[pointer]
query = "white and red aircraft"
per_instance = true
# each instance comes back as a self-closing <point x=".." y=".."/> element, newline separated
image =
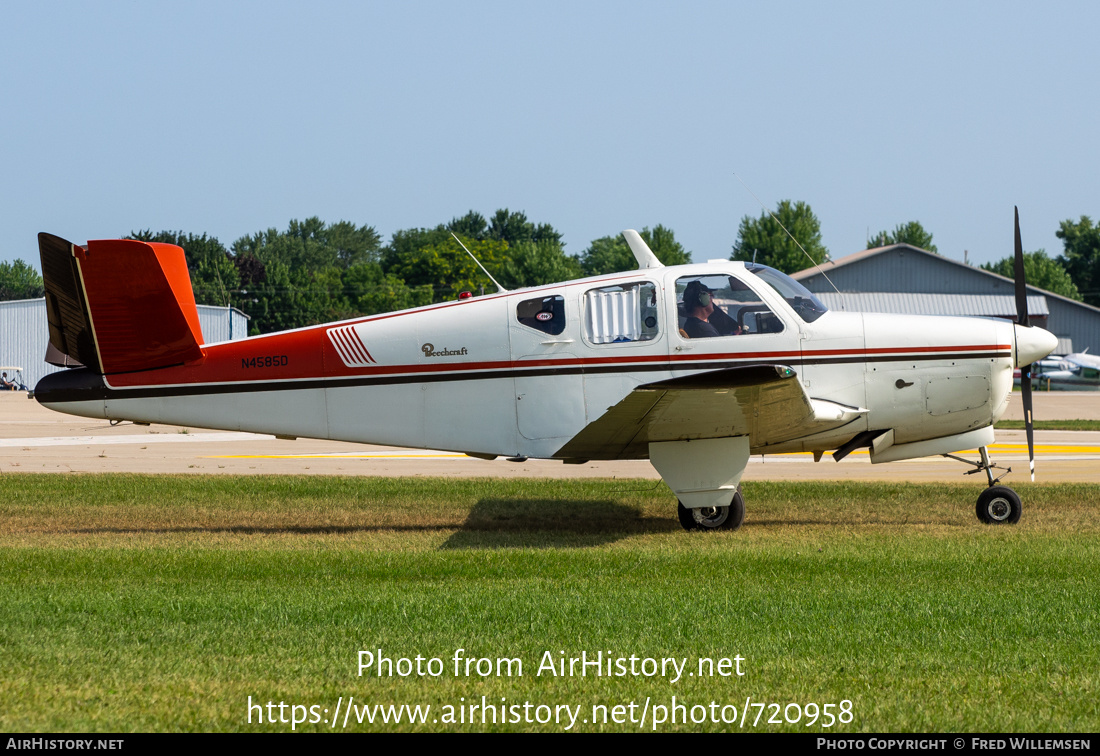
<point x="695" y="367"/>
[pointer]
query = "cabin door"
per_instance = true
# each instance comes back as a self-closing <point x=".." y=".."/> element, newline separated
<point x="549" y="385"/>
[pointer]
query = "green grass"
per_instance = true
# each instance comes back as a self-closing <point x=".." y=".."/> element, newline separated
<point x="1063" y="425"/>
<point x="133" y="603"/>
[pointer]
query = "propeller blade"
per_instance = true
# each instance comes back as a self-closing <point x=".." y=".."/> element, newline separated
<point x="1025" y="392"/>
<point x="1025" y="370"/>
<point x="1021" y="285"/>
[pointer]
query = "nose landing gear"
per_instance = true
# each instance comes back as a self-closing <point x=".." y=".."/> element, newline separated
<point x="997" y="505"/>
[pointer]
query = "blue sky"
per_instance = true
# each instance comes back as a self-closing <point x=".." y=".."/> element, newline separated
<point x="231" y="117"/>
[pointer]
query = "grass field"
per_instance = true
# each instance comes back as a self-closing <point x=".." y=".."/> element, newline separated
<point x="134" y="603"/>
<point x="1059" y="425"/>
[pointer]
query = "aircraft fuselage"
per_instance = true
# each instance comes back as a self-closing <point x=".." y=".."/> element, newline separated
<point x="521" y="373"/>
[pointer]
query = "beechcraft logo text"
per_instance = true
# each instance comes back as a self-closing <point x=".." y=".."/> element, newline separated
<point x="429" y="350"/>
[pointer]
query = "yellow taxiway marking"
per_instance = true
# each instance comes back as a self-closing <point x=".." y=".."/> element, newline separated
<point x="346" y="455"/>
<point x="1040" y="450"/>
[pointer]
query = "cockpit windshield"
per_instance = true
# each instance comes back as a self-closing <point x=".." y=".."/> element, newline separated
<point x="802" y="301"/>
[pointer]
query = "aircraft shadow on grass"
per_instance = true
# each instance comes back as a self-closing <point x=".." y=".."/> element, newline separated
<point x="551" y="523"/>
<point x="264" y="529"/>
<point x="490" y="524"/>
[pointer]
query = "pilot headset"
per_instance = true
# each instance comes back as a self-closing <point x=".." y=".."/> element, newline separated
<point x="700" y="293"/>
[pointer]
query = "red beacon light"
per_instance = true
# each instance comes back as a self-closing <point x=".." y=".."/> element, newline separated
<point x="466" y="295"/>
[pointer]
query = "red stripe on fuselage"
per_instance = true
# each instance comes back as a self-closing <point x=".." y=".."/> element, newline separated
<point x="353" y="346"/>
<point x="308" y="354"/>
<point x="909" y="350"/>
<point x="362" y="346"/>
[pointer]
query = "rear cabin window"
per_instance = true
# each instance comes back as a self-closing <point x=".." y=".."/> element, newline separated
<point x="546" y="314"/>
<point x="735" y="308"/>
<point x="617" y="314"/>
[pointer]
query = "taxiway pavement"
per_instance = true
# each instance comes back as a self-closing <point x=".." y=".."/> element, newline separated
<point x="35" y="439"/>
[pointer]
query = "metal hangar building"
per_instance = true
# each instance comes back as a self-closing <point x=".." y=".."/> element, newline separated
<point x="901" y="278"/>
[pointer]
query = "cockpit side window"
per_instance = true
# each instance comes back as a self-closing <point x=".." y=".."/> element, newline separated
<point x="615" y="314"/>
<point x="546" y="314"/>
<point x="722" y="305"/>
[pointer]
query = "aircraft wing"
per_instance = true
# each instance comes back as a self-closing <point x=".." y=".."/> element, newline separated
<point x="764" y="402"/>
<point x="1081" y="359"/>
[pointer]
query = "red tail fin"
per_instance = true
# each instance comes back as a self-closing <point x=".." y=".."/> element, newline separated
<point x="120" y="305"/>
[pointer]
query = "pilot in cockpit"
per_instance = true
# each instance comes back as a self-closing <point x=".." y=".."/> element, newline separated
<point x="703" y="317"/>
<point x="698" y="306"/>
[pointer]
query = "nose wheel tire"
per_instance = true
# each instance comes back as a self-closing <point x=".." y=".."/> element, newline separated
<point x="714" y="518"/>
<point x="999" y="505"/>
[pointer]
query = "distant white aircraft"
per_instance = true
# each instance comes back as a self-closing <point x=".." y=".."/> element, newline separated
<point x="1074" y="372"/>
<point x="695" y="367"/>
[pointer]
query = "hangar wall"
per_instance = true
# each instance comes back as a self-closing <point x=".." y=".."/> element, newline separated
<point x="24" y="333"/>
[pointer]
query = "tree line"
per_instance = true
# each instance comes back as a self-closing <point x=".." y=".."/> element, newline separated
<point x="317" y="272"/>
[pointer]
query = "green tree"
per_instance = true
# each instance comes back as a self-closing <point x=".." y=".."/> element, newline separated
<point x="764" y="238"/>
<point x="513" y="227"/>
<point x="508" y="245"/>
<point x="447" y="269"/>
<point x="215" y="280"/>
<point x="611" y="254"/>
<point x="534" y="263"/>
<point x="313" y="245"/>
<point x="371" y="291"/>
<point x="292" y="298"/>
<point x="1039" y="270"/>
<point x="472" y="225"/>
<point x="300" y="277"/>
<point x="353" y="244"/>
<point x="406" y="243"/>
<point x="1081" y="256"/>
<point x="18" y="280"/>
<point x="912" y="233"/>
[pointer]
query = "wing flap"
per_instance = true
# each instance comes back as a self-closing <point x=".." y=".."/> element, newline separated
<point x="764" y="402"/>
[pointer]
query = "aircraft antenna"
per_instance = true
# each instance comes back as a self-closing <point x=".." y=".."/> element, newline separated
<point x="471" y="254"/>
<point x="769" y="212"/>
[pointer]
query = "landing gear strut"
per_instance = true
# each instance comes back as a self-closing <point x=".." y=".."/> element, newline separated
<point x="997" y="505"/>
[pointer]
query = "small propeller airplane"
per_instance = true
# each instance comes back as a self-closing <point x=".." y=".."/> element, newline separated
<point x="1078" y="371"/>
<point x="695" y="367"/>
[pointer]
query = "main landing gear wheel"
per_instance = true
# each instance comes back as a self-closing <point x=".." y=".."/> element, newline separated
<point x="714" y="518"/>
<point x="999" y="505"/>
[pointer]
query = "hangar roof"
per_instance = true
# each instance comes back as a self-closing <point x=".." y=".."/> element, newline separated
<point x="963" y="277"/>
<point x="932" y="304"/>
